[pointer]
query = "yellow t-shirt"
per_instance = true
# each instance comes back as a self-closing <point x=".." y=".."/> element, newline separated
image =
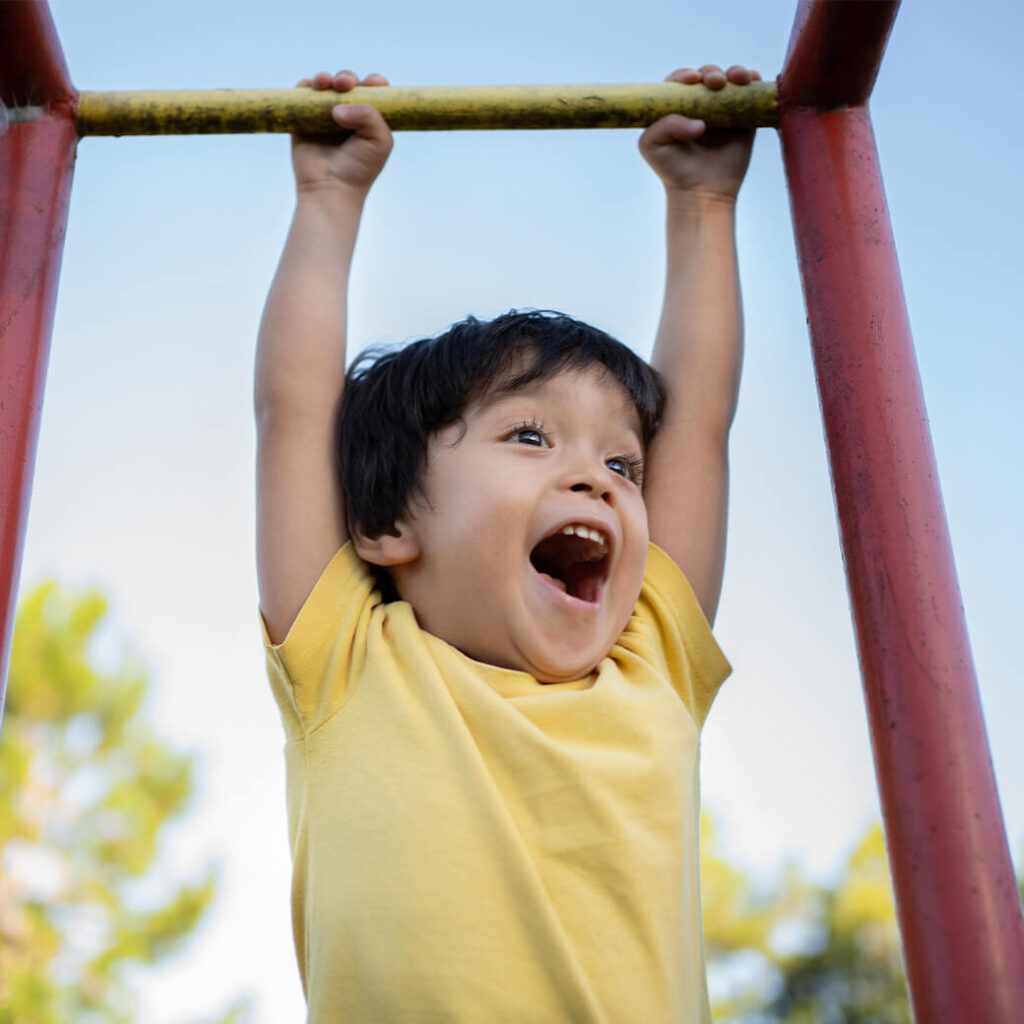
<point x="471" y="845"/>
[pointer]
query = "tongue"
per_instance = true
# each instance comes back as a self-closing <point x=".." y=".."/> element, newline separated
<point x="553" y="579"/>
<point x="581" y="581"/>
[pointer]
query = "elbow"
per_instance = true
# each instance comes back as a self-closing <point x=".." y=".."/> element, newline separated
<point x="285" y="397"/>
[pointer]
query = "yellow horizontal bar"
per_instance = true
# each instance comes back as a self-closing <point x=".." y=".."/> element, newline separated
<point x="429" y="108"/>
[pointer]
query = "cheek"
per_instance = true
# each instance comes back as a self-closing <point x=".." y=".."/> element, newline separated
<point x="638" y="539"/>
<point x="485" y="516"/>
<point x="638" y="520"/>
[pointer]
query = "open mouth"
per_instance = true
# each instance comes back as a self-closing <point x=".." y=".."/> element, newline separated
<point x="575" y="559"/>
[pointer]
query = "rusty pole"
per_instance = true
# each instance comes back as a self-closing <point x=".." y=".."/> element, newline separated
<point x="36" y="162"/>
<point x="956" y="897"/>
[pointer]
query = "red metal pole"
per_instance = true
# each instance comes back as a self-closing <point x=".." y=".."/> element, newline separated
<point x="959" y="912"/>
<point x="36" y="162"/>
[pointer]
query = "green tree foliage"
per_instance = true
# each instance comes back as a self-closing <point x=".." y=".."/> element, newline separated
<point x="85" y="789"/>
<point x="801" y="953"/>
<point x="853" y="968"/>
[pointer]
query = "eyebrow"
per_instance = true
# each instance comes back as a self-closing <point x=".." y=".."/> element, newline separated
<point x="497" y="395"/>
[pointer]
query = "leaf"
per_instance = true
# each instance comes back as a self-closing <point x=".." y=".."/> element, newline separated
<point x="86" y="790"/>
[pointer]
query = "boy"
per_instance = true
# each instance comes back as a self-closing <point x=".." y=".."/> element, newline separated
<point x="491" y="684"/>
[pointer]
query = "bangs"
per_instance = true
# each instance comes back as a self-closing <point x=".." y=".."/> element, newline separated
<point x="527" y="348"/>
<point x="396" y="399"/>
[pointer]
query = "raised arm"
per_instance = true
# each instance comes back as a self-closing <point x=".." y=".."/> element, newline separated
<point x="300" y="358"/>
<point x="699" y="345"/>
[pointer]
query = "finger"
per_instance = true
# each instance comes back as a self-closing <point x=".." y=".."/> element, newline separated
<point x="688" y="76"/>
<point x="671" y="128"/>
<point x="739" y="75"/>
<point x="713" y="76"/>
<point x="344" y="80"/>
<point x="375" y="79"/>
<point x="322" y="80"/>
<point x="755" y="76"/>
<point x="303" y="83"/>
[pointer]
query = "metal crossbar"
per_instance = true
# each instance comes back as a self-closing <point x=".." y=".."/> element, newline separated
<point x="428" y="108"/>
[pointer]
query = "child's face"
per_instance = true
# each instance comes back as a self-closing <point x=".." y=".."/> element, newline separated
<point x="523" y="468"/>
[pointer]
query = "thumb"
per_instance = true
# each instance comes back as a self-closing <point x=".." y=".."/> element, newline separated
<point x="362" y="119"/>
<point x="671" y="128"/>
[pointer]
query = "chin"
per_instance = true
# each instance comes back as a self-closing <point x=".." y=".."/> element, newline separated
<point x="564" y="670"/>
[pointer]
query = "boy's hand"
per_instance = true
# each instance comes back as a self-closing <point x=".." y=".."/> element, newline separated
<point x="351" y="159"/>
<point x="689" y="156"/>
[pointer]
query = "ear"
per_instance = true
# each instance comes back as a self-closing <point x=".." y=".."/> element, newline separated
<point x="396" y="546"/>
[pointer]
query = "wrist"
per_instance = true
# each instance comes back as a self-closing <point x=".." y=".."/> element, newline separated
<point x="332" y="196"/>
<point x="699" y="200"/>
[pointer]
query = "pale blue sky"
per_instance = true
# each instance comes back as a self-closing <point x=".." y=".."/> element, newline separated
<point x="143" y="482"/>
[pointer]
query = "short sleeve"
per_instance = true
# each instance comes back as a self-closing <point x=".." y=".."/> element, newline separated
<point x="309" y="670"/>
<point x="668" y="627"/>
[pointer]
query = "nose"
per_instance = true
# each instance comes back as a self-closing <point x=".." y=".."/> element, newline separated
<point x="589" y="481"/>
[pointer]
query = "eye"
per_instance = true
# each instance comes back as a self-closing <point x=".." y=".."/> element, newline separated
<point x="626" y="466"/>
<point x="529" y="433"/>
